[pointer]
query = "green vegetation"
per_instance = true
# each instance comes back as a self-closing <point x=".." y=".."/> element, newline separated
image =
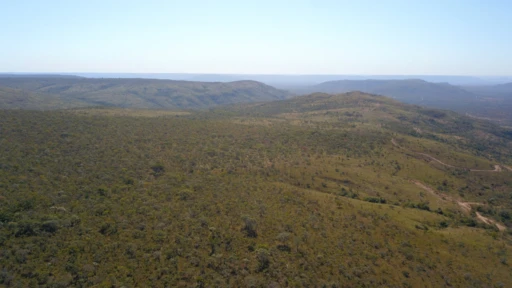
<point x="20" y="99"/>
<point x="321" y="190"/>
<point x="487" y="102"/>
<point x="133" y="93"/>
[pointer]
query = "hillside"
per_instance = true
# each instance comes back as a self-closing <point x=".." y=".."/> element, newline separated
<point x="349" y="190"/>
<point x="146" y="93"/>
<point x="497" y="104"/>
<point x="500" y="90"/>
<point x="413" y="91"/>
<point x="503" y="88"/>
<point x="487" y="102"/>
<point x="20" y="99"/>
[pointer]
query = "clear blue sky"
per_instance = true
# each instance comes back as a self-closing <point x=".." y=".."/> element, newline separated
<point x="447" y="37"/>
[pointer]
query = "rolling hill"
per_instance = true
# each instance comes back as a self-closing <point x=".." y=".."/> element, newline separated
<point x="21" y="99"/>
<point x="413" y="91"/>
<point x="349" y="190"/>
<point x="486" y="102"/>
<point x="496" y="103"/>
<point x="146" y="93"/>
<point x="500" y="90"/>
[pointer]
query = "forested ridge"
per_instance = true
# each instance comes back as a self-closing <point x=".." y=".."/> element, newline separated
<point x="130" y="93"/>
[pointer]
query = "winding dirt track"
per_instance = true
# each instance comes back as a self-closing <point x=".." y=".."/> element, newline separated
<point x="437" y="160"/>
<point x="489" y="221"/>
<point x="497" y="168"/>
<point x="465" y="206"/>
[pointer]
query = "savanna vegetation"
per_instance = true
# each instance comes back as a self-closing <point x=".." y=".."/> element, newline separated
<point x="22" y="99"/>
<point x="487" y="102"/>
<point x="131" y="93"/>
<point x="351" y="190"/>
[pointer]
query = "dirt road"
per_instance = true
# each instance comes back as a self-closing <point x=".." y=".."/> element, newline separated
<point x="465" y="206"/>
<point x="437" y="160"/>
<point x="490" y="222"/>
<point x="497" y="168"/>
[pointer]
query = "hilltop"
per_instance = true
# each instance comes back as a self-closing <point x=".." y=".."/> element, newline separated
<point x="348" y="190"/>
<point x="413" y="91"/>
<point x="145" y="93"/>
<point x="478" y="101"/>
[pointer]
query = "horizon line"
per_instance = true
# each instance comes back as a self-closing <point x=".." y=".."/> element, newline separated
<point x="260" y="74"/>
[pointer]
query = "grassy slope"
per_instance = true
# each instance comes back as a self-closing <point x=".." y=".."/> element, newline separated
<point x="148" y="93"/>
<point x="118" y="198"/>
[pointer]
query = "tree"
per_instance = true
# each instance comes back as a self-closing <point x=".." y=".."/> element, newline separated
<point x="250" y="227"/>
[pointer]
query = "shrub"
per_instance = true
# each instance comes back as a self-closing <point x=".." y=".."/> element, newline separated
<point x="283" y="238"/>
<point x="505" y="215"/>
<point x="50" y="226"/>
<point x="26" y="228"/>
<point x="185" y="195"/>
<point x="250" y="227"/>
<point x="263" y="258"/>
<point x="108" y="229"/>
<point x="375" y="200"/>
<point x="158" y="169"/>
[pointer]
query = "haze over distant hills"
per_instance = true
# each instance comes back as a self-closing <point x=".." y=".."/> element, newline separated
<point x="503" y="90"/>
<point x="37" y="75"/>
<point x="292" y="81"/>
<point x="301" y="80"/>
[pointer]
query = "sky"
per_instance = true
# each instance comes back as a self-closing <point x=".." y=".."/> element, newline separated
<point x="381" y="37"/>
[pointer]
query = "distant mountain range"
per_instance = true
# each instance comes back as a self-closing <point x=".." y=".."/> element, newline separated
<point x="283" y="80"/>
<point x="135" y="93"/>
<point x="42" y="75"/>
<point x="492" y="102"/>
<point x="295" y="81"/>
<point x="22" y="99"/>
